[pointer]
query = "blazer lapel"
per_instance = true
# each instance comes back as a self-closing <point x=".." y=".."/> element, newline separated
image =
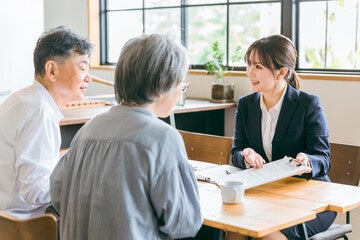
<point x="255" y="124"/>
<point x="287" y="110"/>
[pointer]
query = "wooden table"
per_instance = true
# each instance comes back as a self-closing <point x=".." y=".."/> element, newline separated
<point x="338" y="197"/>
<point x="275" y="206"/>
<point x="261" y="213"/>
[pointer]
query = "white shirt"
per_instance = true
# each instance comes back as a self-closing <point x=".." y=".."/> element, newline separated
<point x="268" y="123"/>
<point x="29" y="145"/>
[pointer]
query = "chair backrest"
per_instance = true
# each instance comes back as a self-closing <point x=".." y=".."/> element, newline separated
<point x="38" y="228"/>
<point x="207" y="148"/>
<point x="345" y="164"/>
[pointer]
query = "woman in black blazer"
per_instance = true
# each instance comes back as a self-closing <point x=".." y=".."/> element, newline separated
<point x="279" y="120"/>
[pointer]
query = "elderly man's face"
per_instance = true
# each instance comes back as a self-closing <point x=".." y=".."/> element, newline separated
<point x="73" y="78"/>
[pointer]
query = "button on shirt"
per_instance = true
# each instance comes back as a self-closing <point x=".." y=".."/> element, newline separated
<point x="268" y="123"/>
<point x="29" y="146"/>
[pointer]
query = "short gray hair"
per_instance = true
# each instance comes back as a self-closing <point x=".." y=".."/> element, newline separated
<point x="59" y="43"/>
<point x="149" y="66"/>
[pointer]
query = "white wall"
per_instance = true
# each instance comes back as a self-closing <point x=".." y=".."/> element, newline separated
<point x="71" y="13"/>
<point x="21" y="23"/>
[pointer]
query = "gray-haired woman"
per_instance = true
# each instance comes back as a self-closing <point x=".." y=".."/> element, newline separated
<point x="126" y="175"/>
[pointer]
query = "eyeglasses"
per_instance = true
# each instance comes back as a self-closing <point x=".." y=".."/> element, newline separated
<point x="184" y="85"/>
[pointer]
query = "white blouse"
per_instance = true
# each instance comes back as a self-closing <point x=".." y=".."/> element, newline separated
<point x="268" y="123"/>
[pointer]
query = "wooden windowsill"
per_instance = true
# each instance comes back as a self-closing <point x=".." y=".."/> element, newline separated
<point x="303" y="76"/>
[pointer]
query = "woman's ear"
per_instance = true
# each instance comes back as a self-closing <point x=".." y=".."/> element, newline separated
<point x="51" y="70"/>
<point x="282" y="72"/>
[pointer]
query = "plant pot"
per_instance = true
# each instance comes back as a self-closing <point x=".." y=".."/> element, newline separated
<point x="222" y="92"/>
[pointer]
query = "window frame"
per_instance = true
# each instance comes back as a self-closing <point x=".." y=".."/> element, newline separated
<point x="288" y="11"/>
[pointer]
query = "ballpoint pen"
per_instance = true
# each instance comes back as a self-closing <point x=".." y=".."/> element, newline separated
<point x="207" y="179"/>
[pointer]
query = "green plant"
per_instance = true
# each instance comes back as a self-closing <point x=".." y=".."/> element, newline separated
<point x="215" y="66"/>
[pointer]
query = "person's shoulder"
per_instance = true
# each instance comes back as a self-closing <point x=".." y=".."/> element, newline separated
<point x="252" y="97"/>
<point x="307" y="100"/>
<point x="24" y="99"/>
<point x="166" y="131"/>
<point x="165" y="136"/>
<point x="297" y="94"/>
<point x="309" y="97"/>
<point x="308" y="94"/>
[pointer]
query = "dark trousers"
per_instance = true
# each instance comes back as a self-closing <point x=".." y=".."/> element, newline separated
<point x="208" y="233"/>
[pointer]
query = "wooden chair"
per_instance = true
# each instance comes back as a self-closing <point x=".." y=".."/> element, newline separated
<point x="39" y="228"/>
<point x="207" y="148"/>
<point x="345" y="169"/>
<point x="345" y="164"/>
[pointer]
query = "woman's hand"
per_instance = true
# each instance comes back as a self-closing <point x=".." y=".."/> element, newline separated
<point x="303" y="159"/>
<point x="253" y="158"/>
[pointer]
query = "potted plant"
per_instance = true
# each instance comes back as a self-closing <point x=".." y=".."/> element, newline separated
<point x="221" y="91"/>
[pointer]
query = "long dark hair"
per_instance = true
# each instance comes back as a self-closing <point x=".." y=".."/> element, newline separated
<point x="275" y="52"/>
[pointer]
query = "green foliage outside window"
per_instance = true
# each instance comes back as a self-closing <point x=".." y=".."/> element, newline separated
<point x="215" y="65"/>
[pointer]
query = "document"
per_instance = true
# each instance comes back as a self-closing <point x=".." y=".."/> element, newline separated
<point x="251" y="177"/>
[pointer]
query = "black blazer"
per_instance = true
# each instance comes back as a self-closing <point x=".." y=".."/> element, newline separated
<point x="301" y="127"/>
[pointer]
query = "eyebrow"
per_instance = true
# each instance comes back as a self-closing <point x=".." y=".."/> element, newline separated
<point x="85" y="61"/>
<point x="254" y="62"/>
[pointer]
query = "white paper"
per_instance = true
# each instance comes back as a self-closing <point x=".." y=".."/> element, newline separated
<point x="251" y="177"/>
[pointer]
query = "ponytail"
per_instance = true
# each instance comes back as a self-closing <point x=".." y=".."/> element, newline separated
<point x="294" y="79"/>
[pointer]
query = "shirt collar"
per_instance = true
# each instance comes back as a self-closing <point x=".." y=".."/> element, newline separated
<point x="45" y="93"/>
<point x="277" y="105"/>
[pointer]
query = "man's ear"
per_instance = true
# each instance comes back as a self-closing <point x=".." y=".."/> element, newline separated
<point x="51" y="70"/>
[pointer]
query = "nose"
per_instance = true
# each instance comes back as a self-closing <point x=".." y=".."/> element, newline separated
<point x="249" y="71"/>
<point x="87" y="77"/>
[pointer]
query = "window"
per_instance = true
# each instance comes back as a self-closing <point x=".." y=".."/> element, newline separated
<point x="326" y="32"/>
<point x="329" y="35"/>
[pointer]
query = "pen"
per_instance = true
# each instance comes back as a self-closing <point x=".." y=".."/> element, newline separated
<point x="208" y="180"/>
<point x="204" y="179"/>
<point x="296" y="163"/>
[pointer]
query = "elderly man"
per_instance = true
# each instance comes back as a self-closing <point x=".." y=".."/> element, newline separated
<point x="29" y="121"/>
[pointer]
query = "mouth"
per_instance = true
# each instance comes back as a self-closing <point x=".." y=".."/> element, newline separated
<point x="253" y="82"/>
<point x="83" y="89"/>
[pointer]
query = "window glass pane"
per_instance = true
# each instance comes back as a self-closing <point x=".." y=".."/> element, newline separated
<point x="193" y="2"/>
<point x="120" y="4"/>
<point x="249" y="22"/>
<point x="244" y="1"/>
<point x="312" y="35"/>
<point x="119" y="33"/>
<point x="165" y="21"/>
<point x="327" y="39"/>
<point x="205" y="26"/>
<point x="162" y="3"/>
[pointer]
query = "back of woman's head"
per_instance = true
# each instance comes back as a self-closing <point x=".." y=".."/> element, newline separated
<point x="149" y="66"/>
<point x="275" y="52"/>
